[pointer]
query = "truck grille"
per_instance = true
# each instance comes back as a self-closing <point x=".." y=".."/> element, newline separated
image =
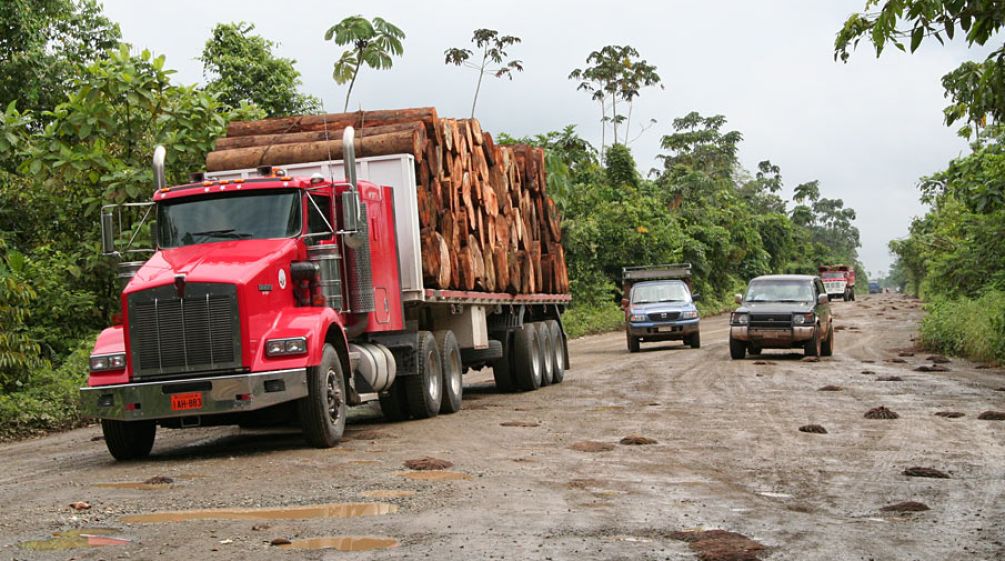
<point x="664" y="316"/>
<point x="771" y="321"/>
<point x="171" y="335"/>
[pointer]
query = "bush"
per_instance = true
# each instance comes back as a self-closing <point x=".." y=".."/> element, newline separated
<point x="970" y="327"/>
<point x="586" y="319"/>
<point x="50" y="401"/>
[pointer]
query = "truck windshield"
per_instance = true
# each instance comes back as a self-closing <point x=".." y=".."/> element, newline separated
<point x="244" y="216"/>
<point x="833" y="275"/>
<point x="780" y="291"/>
<point x="673" y="291"/>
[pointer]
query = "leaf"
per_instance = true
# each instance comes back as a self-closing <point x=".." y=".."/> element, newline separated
<point x="916" y="36"/>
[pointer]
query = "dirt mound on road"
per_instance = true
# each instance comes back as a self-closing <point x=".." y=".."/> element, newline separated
<point x="938" y="359"/>
<point x="159" y="480"/>
<point x="637" y="440"/>
<point x="764" y="362"/>
<point x="816" y="429"/>
<point x="720" y="545"/>
<point x="992" y="416"/>
<point x="423" y="464"/>
<point x="906" y="506"/>
<point x="895" y="360"/>
<point x="889" y="379"/>
<point x="881" y="412"/>
<point x="949" y="414"/>
<point x="526" y="424"/>
<point x="830" y="388"/>
<point x="925" y="472"/>
<point x="932" y="368"/>
<point x="592" y="446"/>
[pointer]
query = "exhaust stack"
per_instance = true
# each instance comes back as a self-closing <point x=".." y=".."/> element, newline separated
<point x="159" y="154"/>
<point x="349" y="155"/>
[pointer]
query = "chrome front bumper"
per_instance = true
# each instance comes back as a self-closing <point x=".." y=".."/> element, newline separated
<point x="225" y="394"/>
<point x="769" y="336"/>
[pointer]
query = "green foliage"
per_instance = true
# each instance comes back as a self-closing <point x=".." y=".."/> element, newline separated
<point x="493" y="50"/>
<point x="372" y="43"/>
<point x="19" y="353"/>
<point x="589" y="320"/>
<point x="243" y="70"/>
<point x="970" y="327"/>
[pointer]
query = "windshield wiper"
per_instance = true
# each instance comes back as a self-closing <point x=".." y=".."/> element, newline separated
<point x="671" y="300"/>
<point x="643" y="302"/>
<point x="224" y="233"/>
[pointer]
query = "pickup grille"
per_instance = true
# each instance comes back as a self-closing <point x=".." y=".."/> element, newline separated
<point x="771" y="321"/>
<point x="664" y="316"/>
<point x="174" y="336"/>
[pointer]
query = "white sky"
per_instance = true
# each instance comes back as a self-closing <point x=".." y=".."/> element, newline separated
<point x="867" y="129"/>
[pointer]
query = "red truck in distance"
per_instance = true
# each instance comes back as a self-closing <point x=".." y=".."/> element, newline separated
<point x="274" y="299"/>
<point x="839" y="280"/>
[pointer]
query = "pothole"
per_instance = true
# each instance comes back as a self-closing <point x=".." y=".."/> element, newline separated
<point x="720" y="545"/>
<point x="932" y="368"/>
<point x="992" y="416"/>
<point x="830" y="388"/>
<point x="816" y="429"/>
<point x="526" y="424"/>
<point x="949" y="414"/>
<point x="889" y="379"/>
<point x="330" y="510"/>
<point x="925" y="472"/>
<point x="592" y="446"/>
<point x="906" y="506"/>
<point x="637" y="440"/>
<point x="425" y="464"/>
<point x="439" y="475"/>
<point x="76" y="539"/>
<point x="343" y="543"/>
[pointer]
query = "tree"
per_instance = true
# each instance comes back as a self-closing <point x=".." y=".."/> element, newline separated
<point x="373" y="43"/>
<point x="977" y="89"/>
<point x="493" y="50"/>
<point x="242" y="69"/>
<point x="43" y="46"/>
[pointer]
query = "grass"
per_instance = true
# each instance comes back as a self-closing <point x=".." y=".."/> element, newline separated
<point x="586" y="319"/>
<point x="973" y="328"/>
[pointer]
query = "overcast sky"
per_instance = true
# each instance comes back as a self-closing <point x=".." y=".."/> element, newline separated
<point x="867" y="129"/>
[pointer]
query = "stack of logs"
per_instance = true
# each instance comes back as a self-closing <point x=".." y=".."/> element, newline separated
<point x="486" y="221"/>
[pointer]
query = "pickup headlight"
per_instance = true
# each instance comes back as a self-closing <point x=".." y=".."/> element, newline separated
<point x="802" y="319"/>
<point x="285" y="347"/>
<point x="693" y="314"/>
<point x="115" y="361"/>
<point x="638" y="317"/>
<point x="740" y="318"/>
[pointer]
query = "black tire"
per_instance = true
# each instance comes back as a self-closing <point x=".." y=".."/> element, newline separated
<point x="737" y="349"/>
<point x="754" y="351"/>
<point x="544" y="344"/>
<point x="633" y="344"/>
<point x="129" y="440"/>
<point x="558" y="346"/>
<point x="394" y="403"/>
<point x="450" y="364"/>
<point x="502" y="368"/>
<point x="425" y="389"/>
<point x="527" y="368"/>
<point x="812" y="347"/>
<point x="827" y="347"/>
<point x="323" y="411"/>
<point x="694" y="341"/>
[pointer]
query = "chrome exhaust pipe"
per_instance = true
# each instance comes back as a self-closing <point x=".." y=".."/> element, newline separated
<point x="159" y="154"/>
<point x="349" y="156"/>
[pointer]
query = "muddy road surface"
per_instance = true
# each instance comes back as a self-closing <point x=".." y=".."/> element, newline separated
<point x="543" y="475"/>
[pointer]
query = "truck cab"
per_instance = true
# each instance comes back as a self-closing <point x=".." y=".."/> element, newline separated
<point x="659" y="306"/>
<point x="839" y="280"/>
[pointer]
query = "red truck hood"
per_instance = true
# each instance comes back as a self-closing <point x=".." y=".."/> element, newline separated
<point x="232" y="261"/>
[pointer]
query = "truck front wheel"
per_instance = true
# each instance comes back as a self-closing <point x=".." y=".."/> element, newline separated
<point x="129" y="440"/>
<point x="323" y="411"/>
<point x="425" y="388"/>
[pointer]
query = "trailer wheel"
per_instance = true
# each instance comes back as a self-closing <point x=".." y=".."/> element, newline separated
<point x="502" y="368"/>
<point x="323" y="411"/>
<point x="558" y="348"/>
<point x="527" y="367"/>
<point x="737" y="349"/>
<point x="547" y="353"/>
<point x="425" y="389"/>
<point x="129" y="440"/>
<point x="827" y="347"/>
<point x="394" y="403"/>
<point x="450" y="359"/>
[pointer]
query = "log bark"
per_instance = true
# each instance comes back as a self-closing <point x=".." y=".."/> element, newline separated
<point x="357" y="119"/>
<point x="280" y="154"/>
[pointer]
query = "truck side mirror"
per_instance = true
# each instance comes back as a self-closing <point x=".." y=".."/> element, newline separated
<point x="107" y="232"/>
<point x="738" y="298"/>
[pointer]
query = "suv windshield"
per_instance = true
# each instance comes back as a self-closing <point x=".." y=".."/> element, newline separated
<point x="245" y="216"/>
<point x="780" y="291"/>
<point x="669" y="291"/>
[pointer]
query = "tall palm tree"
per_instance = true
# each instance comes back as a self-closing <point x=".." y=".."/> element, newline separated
<point x="373" y="43"/>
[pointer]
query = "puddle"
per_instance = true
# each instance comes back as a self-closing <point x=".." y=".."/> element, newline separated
<point x="438" y="475"/>
<point x="76" y="539"/>
<point x="387" y="494"/>
<point x="343" y="543"/>
<point x="331" y="510"/>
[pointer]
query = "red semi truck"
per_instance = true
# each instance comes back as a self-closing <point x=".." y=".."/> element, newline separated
<point x="272" y="299"/>
<point x="839" y="280"/>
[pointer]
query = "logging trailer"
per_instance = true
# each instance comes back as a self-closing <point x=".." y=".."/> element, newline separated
<point x="285" y="296"/>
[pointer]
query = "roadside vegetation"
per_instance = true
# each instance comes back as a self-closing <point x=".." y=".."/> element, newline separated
<point x="87" y="111"/>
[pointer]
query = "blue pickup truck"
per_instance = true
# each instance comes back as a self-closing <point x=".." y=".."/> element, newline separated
<point x="659" y="305"/>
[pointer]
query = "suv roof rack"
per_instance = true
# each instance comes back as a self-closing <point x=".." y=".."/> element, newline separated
<point x="657" y="272"/>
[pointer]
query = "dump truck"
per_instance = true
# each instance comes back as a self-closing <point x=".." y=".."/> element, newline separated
<point x="285" y="296"/>
<point x="839" y="280"/>
<point x="659" y="305"/>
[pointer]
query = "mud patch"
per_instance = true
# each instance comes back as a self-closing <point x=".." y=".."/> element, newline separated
<point x="720" y="545"/>
<point x="906" y="506"/>
<point x="932" y="368"/>
<point x="925" y="472"/>
<point x="868" y="372"/>
<point x="526" y="424"/>
<point x="830" y="388"/>
<point x="280" y="541"/>
<point x="438" y="475"/>
<point x="343" y="543"/>
<point x="938" y="359"/>
<point x="80" y="505"/>
<point x="881" y="412"/>
<point x="370" y="435"/>
<point x="895" y="360"/>
<point x="76" y="539"/>
<point x="425" y="464"/>
<point x="868" y="361"/>
<point x="331" y="510"/>
<point x="992" y="416"/>
<point x="905" y="353"/>
<point x="592" y="446"/>
<point x="889" y="379"/>
<point x="815" y="429"/>
<point x="764" y="362"/>
<point x="637" y="440"/>
<point x="949" y="414"/>
<point x="387" y="494"/>
<point x="159" y="480"/>
<point x="839" y="328"/>
<point x="582" y="484"/>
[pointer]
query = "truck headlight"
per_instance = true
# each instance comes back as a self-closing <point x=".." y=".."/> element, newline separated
<point x="801" y="319"/>
<point x="638" y="317"/>
<point x="693" y="314"/>
<point x="285" y="347"/>
<point x="740" y="318"/>
<point x="115" y="361"/>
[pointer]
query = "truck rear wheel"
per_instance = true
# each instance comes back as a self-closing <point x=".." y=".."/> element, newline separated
<point x="425" y="388"/>
<point x="502" y="368"/>
<point x="323" y="411"/>
<point x="558" y="348"/>
<point x="129" y="440"/>
<point x="394" y="403"/>
<point x="527" y="367"/>
<point x="547" y="353"/>
<point x="737" y="349"/>
<point x="450" y="360"/>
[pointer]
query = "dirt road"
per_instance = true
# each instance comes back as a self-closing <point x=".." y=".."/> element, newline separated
<point x="728" y="456"/>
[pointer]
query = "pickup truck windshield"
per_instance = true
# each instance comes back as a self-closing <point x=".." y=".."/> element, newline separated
<point x="669" y="291"/>
<point x="780" y="291"/>
<point x="244" y="216"/>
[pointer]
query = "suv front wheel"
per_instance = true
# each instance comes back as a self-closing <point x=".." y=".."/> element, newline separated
<point x="737" y="349"/>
